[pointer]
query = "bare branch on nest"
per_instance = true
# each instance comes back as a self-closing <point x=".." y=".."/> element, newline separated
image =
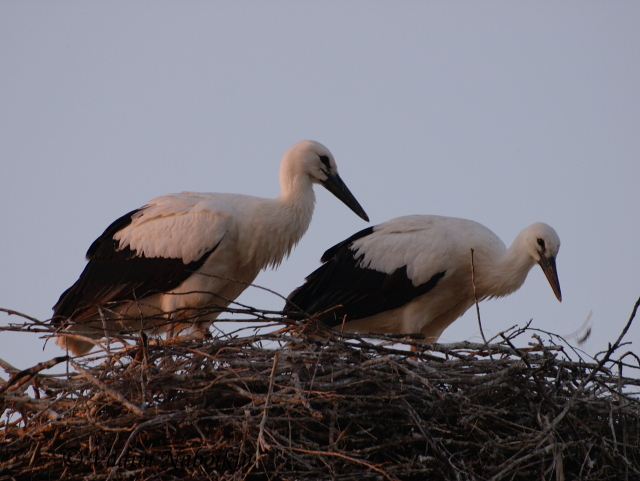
<point x="307" y="403"/>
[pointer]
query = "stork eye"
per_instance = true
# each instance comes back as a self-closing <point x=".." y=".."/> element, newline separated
<point x="541" y="243"/>
<point x="325" y="160"/>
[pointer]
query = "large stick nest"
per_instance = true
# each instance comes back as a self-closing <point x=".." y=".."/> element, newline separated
<point x="308" y="405"/>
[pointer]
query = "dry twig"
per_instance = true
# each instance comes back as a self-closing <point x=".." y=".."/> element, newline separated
<point x="290" y="405"/>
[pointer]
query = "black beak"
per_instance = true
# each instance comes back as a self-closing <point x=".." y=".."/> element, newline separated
<point x="337" y="187"/>
<point x="548" y="265"/>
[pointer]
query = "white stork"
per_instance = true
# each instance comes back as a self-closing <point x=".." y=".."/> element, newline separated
<point x="191" y="250"/>
<point x="413" y="274"/>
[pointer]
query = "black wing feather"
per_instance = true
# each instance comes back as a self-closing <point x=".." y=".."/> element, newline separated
<point x="113" y="275"/>
<point x="105" y="245"/>
<point x="332" y="252"/>
<point x="360" y="292"/>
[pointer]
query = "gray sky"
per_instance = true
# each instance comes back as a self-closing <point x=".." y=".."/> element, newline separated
<point x="506" y="113"/>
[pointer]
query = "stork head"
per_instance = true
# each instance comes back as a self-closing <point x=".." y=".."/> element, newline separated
<point x="543" y="244"/>
<point x="311" y="161"/>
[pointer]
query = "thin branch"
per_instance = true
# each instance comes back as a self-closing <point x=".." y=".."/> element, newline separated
<point x="107" y="390"/>
<point x="32" y="371"/>
<point x="475" y="296"/>
<point x="262" y="444"/>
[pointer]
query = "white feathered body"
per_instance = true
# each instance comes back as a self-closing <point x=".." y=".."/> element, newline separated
<point x="432" y="249"/>
<point x="242" y="229"/>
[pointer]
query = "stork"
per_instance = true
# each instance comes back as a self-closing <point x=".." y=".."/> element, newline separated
<point x="154" y="266"/>
<point x="413" y="274"/>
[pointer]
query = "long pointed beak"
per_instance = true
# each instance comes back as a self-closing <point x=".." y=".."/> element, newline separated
<point x="549" y="268"/>
<point x="337" y="187"/>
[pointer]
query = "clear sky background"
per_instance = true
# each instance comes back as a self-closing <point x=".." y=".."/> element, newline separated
<point x="506" y="113"/>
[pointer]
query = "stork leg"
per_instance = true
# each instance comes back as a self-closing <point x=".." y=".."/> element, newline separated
<point x="171" y="330"/>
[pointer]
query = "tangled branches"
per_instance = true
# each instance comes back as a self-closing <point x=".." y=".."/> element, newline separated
<point x="303" y="404"/>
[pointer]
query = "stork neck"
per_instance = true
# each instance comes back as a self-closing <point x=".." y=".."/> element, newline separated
<point x="509" y="271"/>
<point x="280" y="223"/>
<point x="297" y="201"/>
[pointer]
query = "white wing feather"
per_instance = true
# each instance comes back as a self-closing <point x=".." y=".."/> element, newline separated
<point x="427" y="245"/>
<point x="178" y="226"/>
